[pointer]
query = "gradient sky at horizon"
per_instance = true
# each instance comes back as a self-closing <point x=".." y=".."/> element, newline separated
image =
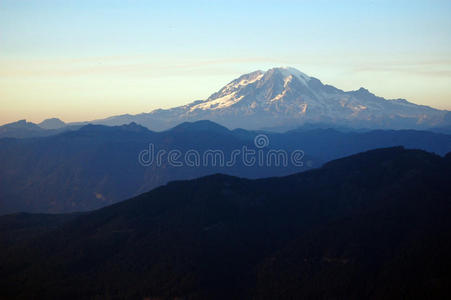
<point x="82" y="60"/>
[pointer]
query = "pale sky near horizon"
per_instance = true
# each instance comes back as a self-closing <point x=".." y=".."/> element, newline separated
<point x="83" y="60"/>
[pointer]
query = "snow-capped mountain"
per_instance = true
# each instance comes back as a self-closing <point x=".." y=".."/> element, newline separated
<point x="287" y="98"/>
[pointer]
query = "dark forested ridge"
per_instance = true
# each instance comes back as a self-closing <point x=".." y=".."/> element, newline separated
<point x="374" y="225"/>
<point x="96" y="166"/>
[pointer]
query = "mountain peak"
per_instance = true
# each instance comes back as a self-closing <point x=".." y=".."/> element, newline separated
<point x="133" y="126"/>
<point x="287" y="71"/>
<point x="52" y="123"/>
<point x="21" y="124"/>
<point x="273" y="82"/>
<point x="202" y="125"/>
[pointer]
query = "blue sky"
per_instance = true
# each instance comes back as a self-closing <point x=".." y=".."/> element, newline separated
<point x="81" y="60"/>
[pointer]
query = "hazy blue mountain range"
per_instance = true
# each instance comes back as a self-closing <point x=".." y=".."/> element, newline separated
<point x="24" y="129"/>
<point x="98" y="165"/>
<point x="371" y="226"/>
<point x="285" y="98"/>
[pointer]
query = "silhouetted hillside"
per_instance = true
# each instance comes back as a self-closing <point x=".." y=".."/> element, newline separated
<point x="373" y="225"/>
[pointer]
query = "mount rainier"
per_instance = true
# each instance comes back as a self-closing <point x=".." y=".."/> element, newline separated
<point x="287" y="98"/>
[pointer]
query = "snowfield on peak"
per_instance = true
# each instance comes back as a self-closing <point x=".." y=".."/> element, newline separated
<point x="218" y="103"/>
